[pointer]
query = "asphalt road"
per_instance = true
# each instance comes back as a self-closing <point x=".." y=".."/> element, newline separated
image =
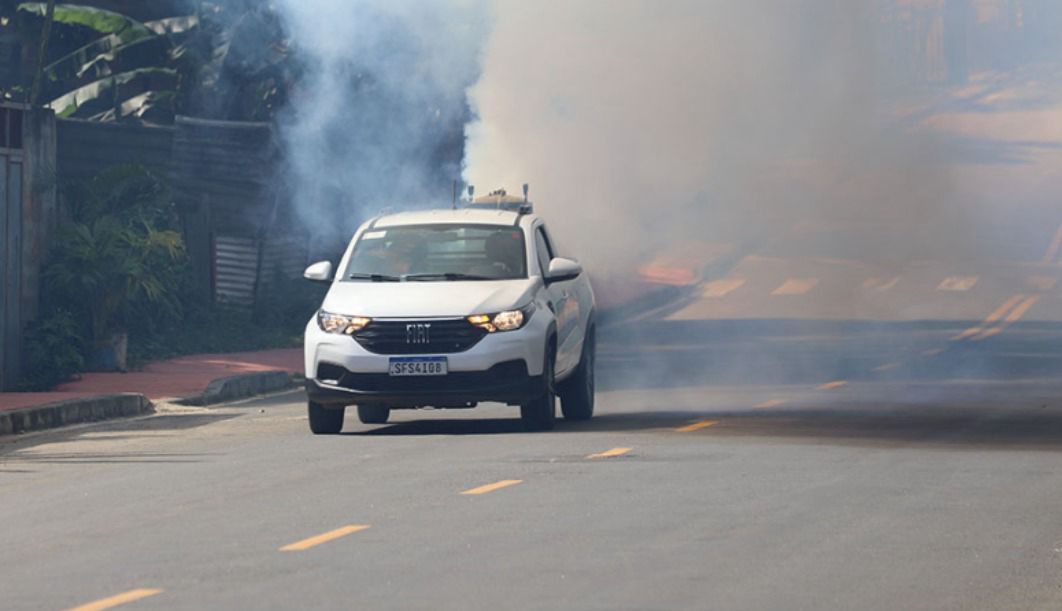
<point x="747" y="466"/>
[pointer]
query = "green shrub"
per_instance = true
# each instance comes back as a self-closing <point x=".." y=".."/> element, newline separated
<point x="119" y="251"/>
<point x="53" y="347"/>
<point x="118" y="261"/>
<point x="119" y="265"/>
<point x="109" y="267"/>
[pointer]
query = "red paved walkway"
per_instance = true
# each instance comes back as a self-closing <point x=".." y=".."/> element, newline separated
<point x="179" y="377"/>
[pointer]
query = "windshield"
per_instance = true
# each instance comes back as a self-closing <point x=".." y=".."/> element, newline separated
<point x="438" y="253"/>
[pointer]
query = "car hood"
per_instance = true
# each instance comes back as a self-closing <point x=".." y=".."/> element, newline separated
<point x="427" y="299"/>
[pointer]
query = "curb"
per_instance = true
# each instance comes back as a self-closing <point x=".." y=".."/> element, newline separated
<point x="126" y="405"/>
<point x="74" y="411"/>
<point x="647" y="302"/>
<point x="240" y="386"/>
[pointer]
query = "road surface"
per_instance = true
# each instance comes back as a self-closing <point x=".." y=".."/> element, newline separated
<point x="822" y="425"/>
<point x="717" y="474"/>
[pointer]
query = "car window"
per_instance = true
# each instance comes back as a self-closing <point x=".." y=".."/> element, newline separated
<point x="543" y="249"/>
<point x="558" y="247"/>
<point x="439" y="253"/>
<point x="554" y="249"/>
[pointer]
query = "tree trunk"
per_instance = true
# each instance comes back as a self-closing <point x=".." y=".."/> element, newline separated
<point x="42" y="57"/>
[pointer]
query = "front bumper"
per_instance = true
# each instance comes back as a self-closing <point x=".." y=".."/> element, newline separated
<point x="507" y="382"/>
<point x="527" y="344"/>
<point x="504" y="367"/>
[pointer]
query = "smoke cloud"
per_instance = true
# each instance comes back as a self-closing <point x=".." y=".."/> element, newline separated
<point x="650" y="123"/>
<point x="377" y="117"/>
<point x="655" y="122"/>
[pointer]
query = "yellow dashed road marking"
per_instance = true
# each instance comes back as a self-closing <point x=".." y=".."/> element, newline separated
<point x="991" y="318"/>
<point x="769" y="404"/>
<point x="887" y="367"/>
<point x="832" y="385"/>
<point x="120" y="599"/>
<point x="505" y="483"/>
<point x="1011" y="318"/>
<point x="880" y="284"/>
<point x="1042" y="283"/>
<point x="331" y="535"/>
<point x="1052" y="248"/>
<point x="719" y="288"/>
<point x="610" y="453"/>
<point x="957" y="283"/>
<point x="696" y="426"/>
<point x="795" y="286"/>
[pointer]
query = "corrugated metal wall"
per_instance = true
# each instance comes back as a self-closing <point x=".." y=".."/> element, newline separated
<point x="223" y="175"/>
<point x="87" y="148"/>
<point x="284" y="256"/>
<point x="228" y="167"/>
<point x="243" y="267"/>
<point x="235" y="270"/>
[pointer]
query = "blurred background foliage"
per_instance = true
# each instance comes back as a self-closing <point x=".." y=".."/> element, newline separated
<point x="113" y="60"/>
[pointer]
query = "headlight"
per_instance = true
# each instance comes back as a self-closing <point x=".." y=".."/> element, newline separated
<point x="509" y="320"/>
<point x="338" y="323"/>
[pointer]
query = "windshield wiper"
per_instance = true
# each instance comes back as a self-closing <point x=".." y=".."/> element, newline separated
<point x="446" y="276"/>
<point x="373" y="277"/>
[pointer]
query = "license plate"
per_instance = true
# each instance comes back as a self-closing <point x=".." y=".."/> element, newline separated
<point x="418" y="366"/>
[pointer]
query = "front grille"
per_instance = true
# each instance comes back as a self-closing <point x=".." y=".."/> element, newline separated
<point x="425" y="337"/>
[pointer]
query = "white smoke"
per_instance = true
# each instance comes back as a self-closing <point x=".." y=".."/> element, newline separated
<point x="380" y="105"/>
<point x="647" y="122"/>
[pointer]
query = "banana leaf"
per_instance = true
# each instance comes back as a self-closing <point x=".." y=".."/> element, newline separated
<point x="108" y="93"/>
<point x="157" y="107"/>
<point x="100" y="59"/>
<point x="102" y="21"/>
<point x="171" y="26"/>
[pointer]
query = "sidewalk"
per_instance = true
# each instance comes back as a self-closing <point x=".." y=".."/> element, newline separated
<point x="176" y="378"/>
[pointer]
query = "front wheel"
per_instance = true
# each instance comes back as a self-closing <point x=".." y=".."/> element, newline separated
<point x="540" y="414"/>
<point x="577" y="392"/>
<point x="325" y="420"/>
<point x="373" y="414"/>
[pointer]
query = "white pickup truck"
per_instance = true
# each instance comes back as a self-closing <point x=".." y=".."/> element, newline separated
<point x="449" y="308"/>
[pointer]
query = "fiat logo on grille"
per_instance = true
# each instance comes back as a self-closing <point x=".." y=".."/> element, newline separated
<point x="418" y="333"/>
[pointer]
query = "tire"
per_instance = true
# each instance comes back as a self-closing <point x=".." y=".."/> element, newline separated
<point x="577" y="392"/>
<point x="324" y="420"/>
<point x="373" y="414"/>
<point x="540" y="414"/>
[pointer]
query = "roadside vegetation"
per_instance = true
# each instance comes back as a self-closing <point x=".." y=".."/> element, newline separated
<point x="118" y="289"/>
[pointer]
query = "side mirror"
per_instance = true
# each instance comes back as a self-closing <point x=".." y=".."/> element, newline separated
<point x="561" y="269"/>
<point x="319" y="272"/>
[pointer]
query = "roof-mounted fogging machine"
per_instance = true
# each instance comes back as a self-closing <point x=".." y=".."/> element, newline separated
<point x="500" y="200"/>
